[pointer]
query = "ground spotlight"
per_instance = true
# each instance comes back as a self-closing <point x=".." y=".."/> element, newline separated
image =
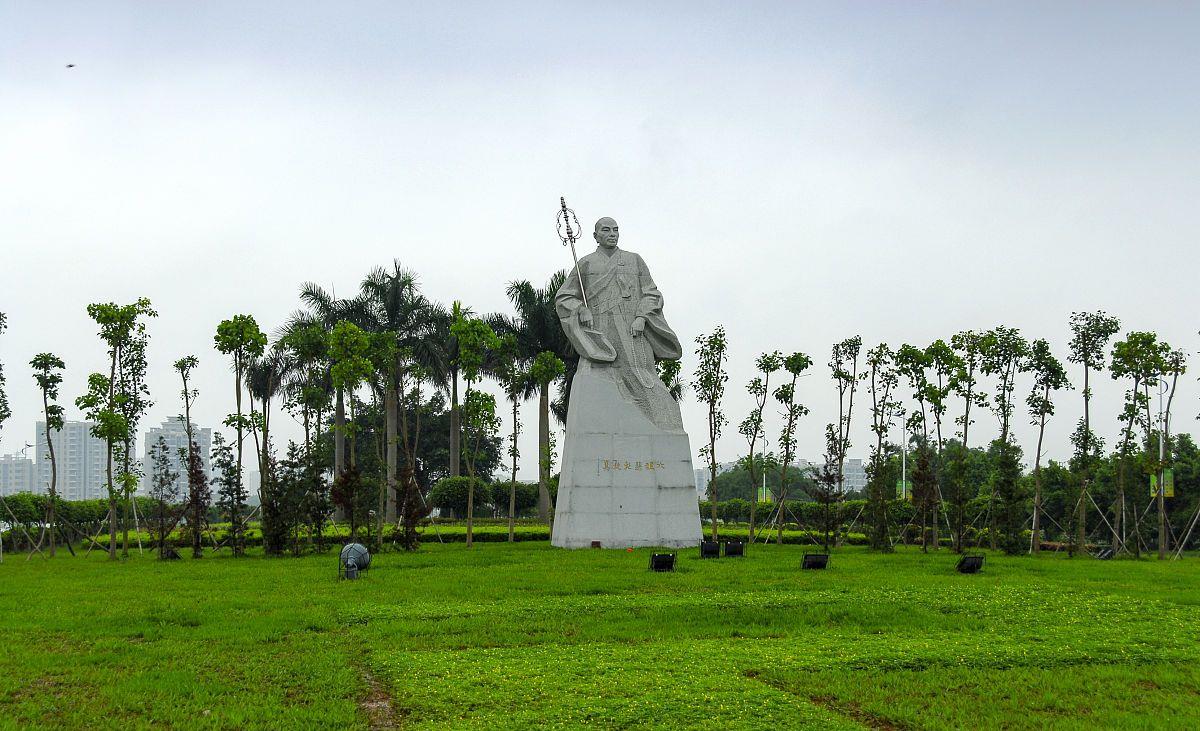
<point x="734" y="548"/>
<point x="662" y="562"/>
<point x="353" y="560"/>
<point x="815" y="561"/>
<point x="971" y="563"/>
<point x="710" y="549"/>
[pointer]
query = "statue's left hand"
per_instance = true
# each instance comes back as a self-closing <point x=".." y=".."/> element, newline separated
<point x="639" y="324"/>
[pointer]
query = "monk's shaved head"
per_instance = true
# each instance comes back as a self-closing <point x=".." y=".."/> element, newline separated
<point x="606" y="232"/>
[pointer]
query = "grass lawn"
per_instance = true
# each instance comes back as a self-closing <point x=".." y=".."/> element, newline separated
<point x="523" y="635"/>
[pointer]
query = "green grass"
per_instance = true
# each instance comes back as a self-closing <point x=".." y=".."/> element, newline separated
<point x="521" y="636"/>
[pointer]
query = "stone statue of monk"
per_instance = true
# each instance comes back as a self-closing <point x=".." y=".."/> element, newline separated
<point x="621" y="332"/>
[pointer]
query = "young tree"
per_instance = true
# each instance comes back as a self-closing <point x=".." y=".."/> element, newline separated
<point x="184" y="366"/>
<point x="1142" y="359"/>
<point x="967" y="346"/>
<point x="924" y="491"/>
<point x="752" y="426"/>
<point x="47" y="369"/>
<point x="240" y="338"/>
<point x="945" y="364"/>
<point x="231" y="493"/>
<point x="709" y="385"/>
<point x="1090" y="333"/>
<point x="514" y="379"/>
<point x="164" y="491"/>
<point x="795" y="364"/>
<point x="843" y="363"/>
<point x="1003" y="355"/>
<point x="882" y="379"/>
<point x="475" y="340"/>
<point x="1048" y="376"/>
<point x="1176" y="364"/>
<point x="112" y="400"/>
<point x="913" y="363"/>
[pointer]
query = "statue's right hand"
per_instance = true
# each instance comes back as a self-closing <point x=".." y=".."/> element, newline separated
<point x="585" y="317"/>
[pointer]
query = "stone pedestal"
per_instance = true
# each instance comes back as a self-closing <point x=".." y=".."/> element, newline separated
<point x="624" y="482"/>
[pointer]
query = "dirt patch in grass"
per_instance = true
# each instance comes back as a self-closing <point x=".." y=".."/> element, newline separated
<point x="848" y="709"/>
<point x="377" y="704"/>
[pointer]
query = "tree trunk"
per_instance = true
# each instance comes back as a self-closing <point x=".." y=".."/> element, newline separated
<point x="339" y="444"/>
<point x="1081" y="519"/>
<point x="128" y="493"/>
<point x="390" y="405"/>
<point x="234" y="518"/>
<point x="1035" y="545"/>
<point x="544" y="507"/>
<point x="53" y="474"/>
<point x="455" y="427"/>
<point x="112" y="494"/>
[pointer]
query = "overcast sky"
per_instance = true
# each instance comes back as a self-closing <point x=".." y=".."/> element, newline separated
<point x="798" y="172"/>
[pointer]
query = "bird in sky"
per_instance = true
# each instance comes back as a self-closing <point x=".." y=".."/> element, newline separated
<point x="70" y="65"/>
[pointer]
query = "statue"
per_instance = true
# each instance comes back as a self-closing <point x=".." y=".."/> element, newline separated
<point x="627" y="476"/>
<point x="623" y="333"/>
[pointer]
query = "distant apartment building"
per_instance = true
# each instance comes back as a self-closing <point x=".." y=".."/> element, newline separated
<point x="173" y="431"/>
<point x="81" y="460"/>
<point x="854" y="474"/>
<point x="16" y="474"/>
<point x="702" y="477"/>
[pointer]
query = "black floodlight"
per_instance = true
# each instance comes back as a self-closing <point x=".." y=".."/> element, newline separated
<point x="710" y="549"/>
<point x="662" y="562"/>
<point x="735" y="548"/>
<point x="971" y="563"/>
<point x="353" y="560"/>
<point x="1105" y="554"/>
<point x="815" y="561"/>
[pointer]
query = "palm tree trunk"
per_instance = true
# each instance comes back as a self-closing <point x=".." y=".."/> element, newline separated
<point x="389" y="406"/>
<point x="512" y="484"/>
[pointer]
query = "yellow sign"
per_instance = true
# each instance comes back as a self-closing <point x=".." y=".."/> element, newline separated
<point x="1168" y="484"/>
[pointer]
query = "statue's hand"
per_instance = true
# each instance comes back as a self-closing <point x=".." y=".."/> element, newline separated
<point x="639" y="324"/>
<point x="585" y="317"/>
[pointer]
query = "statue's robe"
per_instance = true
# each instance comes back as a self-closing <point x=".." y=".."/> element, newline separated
<point x="619" y="290"/>
<point x="627" y="476"/>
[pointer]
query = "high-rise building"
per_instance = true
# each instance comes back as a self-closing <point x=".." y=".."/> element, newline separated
<point x="81" y="460"/>
<point x="855" y="475"/>
<point x="16" y="474"/>
<point x="174" y="432"/>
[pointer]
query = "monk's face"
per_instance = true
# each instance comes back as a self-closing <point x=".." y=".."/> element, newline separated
<point x="606" y="232"/>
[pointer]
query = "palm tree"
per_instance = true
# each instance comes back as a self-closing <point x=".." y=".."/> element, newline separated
<point x="265" y="379"/>
<point x="390" y="304"/>
<point x="536" y="328"/>
<point x="324" y="310"/>
<point x="446" y="375"/>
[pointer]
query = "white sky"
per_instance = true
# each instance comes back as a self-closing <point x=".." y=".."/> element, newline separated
<point x="799" y="172"/>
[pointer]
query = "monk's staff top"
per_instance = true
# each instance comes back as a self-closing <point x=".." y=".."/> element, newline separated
<point x="566" y="232"/>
